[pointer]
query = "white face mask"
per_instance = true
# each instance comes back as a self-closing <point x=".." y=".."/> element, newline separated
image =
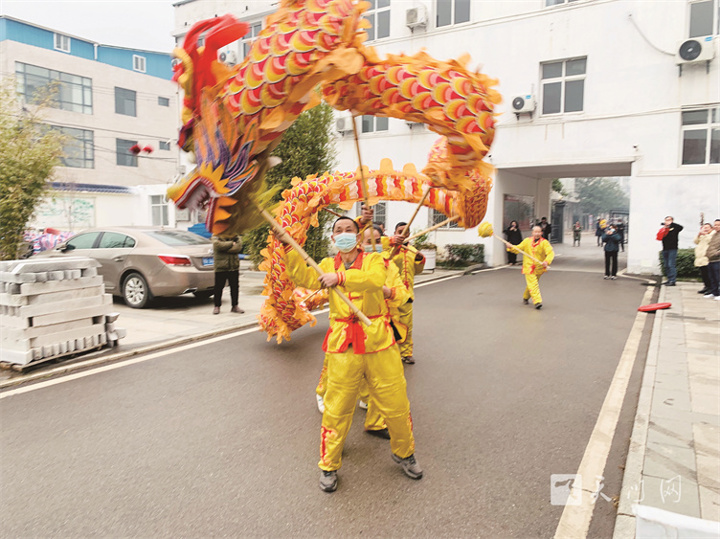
<point x="369" y="248"/>
<point x="345" y="242"/>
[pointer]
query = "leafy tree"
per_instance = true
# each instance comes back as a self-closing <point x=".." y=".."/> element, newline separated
<point x="558" y="187"/>
<point x="600" y="195"/>
<point x="29" y="151"/>
<point x="306" y="148"/>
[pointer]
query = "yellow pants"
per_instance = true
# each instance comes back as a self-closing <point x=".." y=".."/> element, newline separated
<point x="406" y="318"/>
<point x="532" y="288"/>
<point x="388" y="390"/>
<point x="373" y="418"/>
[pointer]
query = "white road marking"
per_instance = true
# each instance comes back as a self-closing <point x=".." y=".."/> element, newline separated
<point x="575" y="520"/>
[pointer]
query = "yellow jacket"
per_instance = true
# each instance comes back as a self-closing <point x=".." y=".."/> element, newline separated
<point x="406" y="262"/>
<point x="540" y="249"/>
<point x="362" y="283"/>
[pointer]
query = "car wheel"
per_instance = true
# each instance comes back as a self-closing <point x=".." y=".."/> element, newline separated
<point x="136" y="291"/>
<point x="203" y="294"/>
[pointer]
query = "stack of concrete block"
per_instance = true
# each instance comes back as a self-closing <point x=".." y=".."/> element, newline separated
<point x="53" y="307"/>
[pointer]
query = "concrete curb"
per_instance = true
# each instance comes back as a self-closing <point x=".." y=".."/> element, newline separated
<point x="625" y="521"/>
<point x="82" y="364"/>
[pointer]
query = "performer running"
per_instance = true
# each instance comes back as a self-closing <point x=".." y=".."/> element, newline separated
<point x="410" y="262"/>
<point x="540" y="248"/>
<point x="356" y="351"/>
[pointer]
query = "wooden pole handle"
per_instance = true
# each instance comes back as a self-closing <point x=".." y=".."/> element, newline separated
<point x="406" y="232"/>
<point x="363" y="180"/>
<point x="287" y="238"/>
<point x="519" y="251"/>
<point x="434" y="227"/>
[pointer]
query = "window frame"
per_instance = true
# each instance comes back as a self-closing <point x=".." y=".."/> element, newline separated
<point x="714" y="23"/>
<point x="559" y="2"/>
<point x="563" y="79"/>
<point x="710" y="125"/>
<point x="87" y="143"/>
<point x="453" y="13"/>
<point x="372" y="121"/>
<point x="125" y="100"/>
<point x="246" y="42"/>
<point x="64" y="42"/>
<point x="139" y="63"/>
<point x="436" y="217"/>
<point x="132" y="159"/>
<point x="164" y="145"/>
<point x="163" y="101"/>
<point x="372" y="14"/>
<point x="68" y="84"/>
<point x="163" y="207"/>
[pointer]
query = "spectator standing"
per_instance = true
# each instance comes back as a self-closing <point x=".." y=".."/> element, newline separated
<point x="598" y="232"/>
<point x="702" y="240"/>
<point x="621" y="231"/>
<point x="546" y="228"/>
<point x="611" y="239"/>
<point x="713" y="255"/>
<point x="577" y="231"/>
<point x="227" y="269"/>
<point x="513" y="235"/>
<point x="668" y="234"/>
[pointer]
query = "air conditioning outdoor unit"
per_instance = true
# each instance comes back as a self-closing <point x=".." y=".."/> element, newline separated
<point x="695" y="50"/>
<point x="523" y="103"/>
<point x="228" y="57"/>
<point x="344" y="124"/>
<point x="416" y="16"/>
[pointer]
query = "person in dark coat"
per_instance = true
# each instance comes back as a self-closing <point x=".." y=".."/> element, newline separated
<point x="514" y="236"/>
<point x="621" y="231"/>
<point x="546" y="228"/>
<point x="598" y="232"/>
<point x="227" y="269"/>
<point x="611" y="240"/>
<point x="668" y="234"/>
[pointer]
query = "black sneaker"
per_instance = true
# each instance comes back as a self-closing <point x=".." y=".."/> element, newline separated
<point x="380" y="433"/>
<point x="526" y="301"/>
<point x="410" y="466"/>
<point x="328" y="481"/>
<point x="538" y="306"/>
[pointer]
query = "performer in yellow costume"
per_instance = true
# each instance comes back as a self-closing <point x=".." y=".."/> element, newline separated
<point x="356" y="351"/>
<point x="539" y="248"/>
<point x="409" y="262"/>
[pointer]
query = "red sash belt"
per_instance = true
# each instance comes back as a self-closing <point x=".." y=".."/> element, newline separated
<point x="354" y="334"/>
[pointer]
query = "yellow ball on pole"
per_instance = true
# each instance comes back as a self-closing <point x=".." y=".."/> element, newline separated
<point x="485" y="230"/>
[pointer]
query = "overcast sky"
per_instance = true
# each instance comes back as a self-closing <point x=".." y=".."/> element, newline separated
<point x="139" y="24"/>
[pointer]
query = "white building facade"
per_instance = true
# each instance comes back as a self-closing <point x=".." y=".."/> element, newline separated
<point x="108" y="100"/>
<point x="608" y="88"/>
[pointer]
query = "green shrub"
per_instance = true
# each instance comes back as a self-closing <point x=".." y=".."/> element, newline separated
<point x="464" y="254"/>
<point x="685" y="265"/>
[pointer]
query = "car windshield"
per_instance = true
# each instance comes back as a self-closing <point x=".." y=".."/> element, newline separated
<point x="177" y="237"/>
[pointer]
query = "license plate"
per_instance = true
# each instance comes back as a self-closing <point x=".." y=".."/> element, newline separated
<point x="207" y="261"/>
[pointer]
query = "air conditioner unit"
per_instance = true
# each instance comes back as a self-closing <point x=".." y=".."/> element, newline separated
<point x="695" y="50"/>
<point x="344" y="124"/>
<point x="523" y="103"/>
<point x="228" y="57"/>
<point x="416" y="16"/>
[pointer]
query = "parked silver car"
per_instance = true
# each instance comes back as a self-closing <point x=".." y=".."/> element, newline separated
<point x="139" y="263"/>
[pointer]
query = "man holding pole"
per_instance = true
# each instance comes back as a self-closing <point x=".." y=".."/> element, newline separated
<point x="356" y="351"/>
<point x="410" y="262"/>
<point x="541" y="256"/>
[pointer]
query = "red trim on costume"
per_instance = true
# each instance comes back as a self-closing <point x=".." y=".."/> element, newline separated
<point x="357" y="264"/>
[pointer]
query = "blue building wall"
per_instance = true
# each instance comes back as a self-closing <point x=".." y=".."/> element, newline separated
<point x="156" y="64"/>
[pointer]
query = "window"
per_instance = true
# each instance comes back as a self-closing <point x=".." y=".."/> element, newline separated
<point x="379" y="16"/>
<point x="70" y="92"/>
<point x="164" y="145"/>
<point x="125" y="101"/>
<point x="62" y="43"/>
<point x="374" y="123"/>
<point x="451" y="12"/>
<point x="115" y="240"/>
<point x="125" y="158"/>
<point x="176" y="238"/>
<point x="159" y="210"/>
<point x="82" y="241"/>
<point x="557" y="2"/>
<point x="701" y="136"/>
<point x="701" y="18"/>
<point x="164" y="101"/>
<point x="139" y="63"/>
<point x="563" y="86"/>
<point x="255" y="29"/>
<point x="437" y="217"/>
<point x="78" y="147"/>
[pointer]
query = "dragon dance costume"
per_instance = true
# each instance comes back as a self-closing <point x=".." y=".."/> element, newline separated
<point x="355" y="352"/>
<point x="543" y="251"/>
<point x="408" y="265"/>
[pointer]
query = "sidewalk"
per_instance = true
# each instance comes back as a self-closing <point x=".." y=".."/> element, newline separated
<point x="674" y="458"/>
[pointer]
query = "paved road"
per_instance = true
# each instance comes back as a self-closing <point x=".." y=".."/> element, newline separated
<point x="222" y="439"/>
